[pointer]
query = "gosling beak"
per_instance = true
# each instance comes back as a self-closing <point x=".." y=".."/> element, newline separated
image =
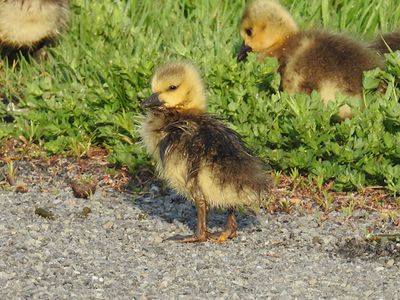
<point x="152" y="101"/>
<point x="244" y="49"/>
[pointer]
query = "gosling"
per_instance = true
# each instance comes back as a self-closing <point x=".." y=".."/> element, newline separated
<point x="196" y="153"/>
<point x="308" y="60"/>
<point x="27" y="26"/>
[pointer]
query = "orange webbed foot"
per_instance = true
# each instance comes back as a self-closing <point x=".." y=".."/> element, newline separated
<point x="222" y="236"/>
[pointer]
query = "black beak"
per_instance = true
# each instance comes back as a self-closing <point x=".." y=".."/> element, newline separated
<point x="152" y="101"/>
<point x="243" y="52"/>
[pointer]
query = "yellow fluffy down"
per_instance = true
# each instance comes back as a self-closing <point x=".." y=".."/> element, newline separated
<point x="24" y="23"/>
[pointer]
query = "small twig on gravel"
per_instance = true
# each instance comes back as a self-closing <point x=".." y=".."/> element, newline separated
<point x="378" y="237"/>
<point x="44" y="213"/>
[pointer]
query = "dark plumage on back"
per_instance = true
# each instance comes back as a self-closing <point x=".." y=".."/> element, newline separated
<point x="196" y="153"/>
<point x="327" y="63"/>
<point x="205" y="140"/>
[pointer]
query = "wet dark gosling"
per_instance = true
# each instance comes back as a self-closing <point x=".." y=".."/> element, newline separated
<point x="201" y="158"/>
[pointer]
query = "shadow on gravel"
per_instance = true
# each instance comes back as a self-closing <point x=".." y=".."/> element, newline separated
<point x="365" y="249"/>
<point x="174" y="208"/>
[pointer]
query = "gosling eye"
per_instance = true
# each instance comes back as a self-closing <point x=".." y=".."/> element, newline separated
<point x="248" y="31"/>
<point x="172" y="87"/>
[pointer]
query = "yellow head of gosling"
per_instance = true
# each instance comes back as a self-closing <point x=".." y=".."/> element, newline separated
<point x="177" y="86"/>
<point x="264" y="27"/>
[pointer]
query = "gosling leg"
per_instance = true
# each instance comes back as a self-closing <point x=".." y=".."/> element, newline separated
<point x="230" y="229"/>
<point x="201" y="234"/>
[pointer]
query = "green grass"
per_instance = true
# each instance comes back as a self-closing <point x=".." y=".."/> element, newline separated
<point x="89" y="90"/>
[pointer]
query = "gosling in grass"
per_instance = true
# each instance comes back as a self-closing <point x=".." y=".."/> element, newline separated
<point x="26" y="26"/>
<point x="201" y="158"/>
<point x="386" y="42"/>
<point x="308" y="60"/>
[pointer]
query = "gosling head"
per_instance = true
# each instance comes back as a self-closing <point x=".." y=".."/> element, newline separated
<point x="177" y="86"/>
<point x="264" y="27"/>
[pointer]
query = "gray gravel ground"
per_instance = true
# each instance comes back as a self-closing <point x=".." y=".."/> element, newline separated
<point x="119" y="252"/>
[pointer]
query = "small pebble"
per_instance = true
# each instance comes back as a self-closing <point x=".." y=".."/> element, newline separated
<point x="390" y="263"/>
<point x="108" y="225"/>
